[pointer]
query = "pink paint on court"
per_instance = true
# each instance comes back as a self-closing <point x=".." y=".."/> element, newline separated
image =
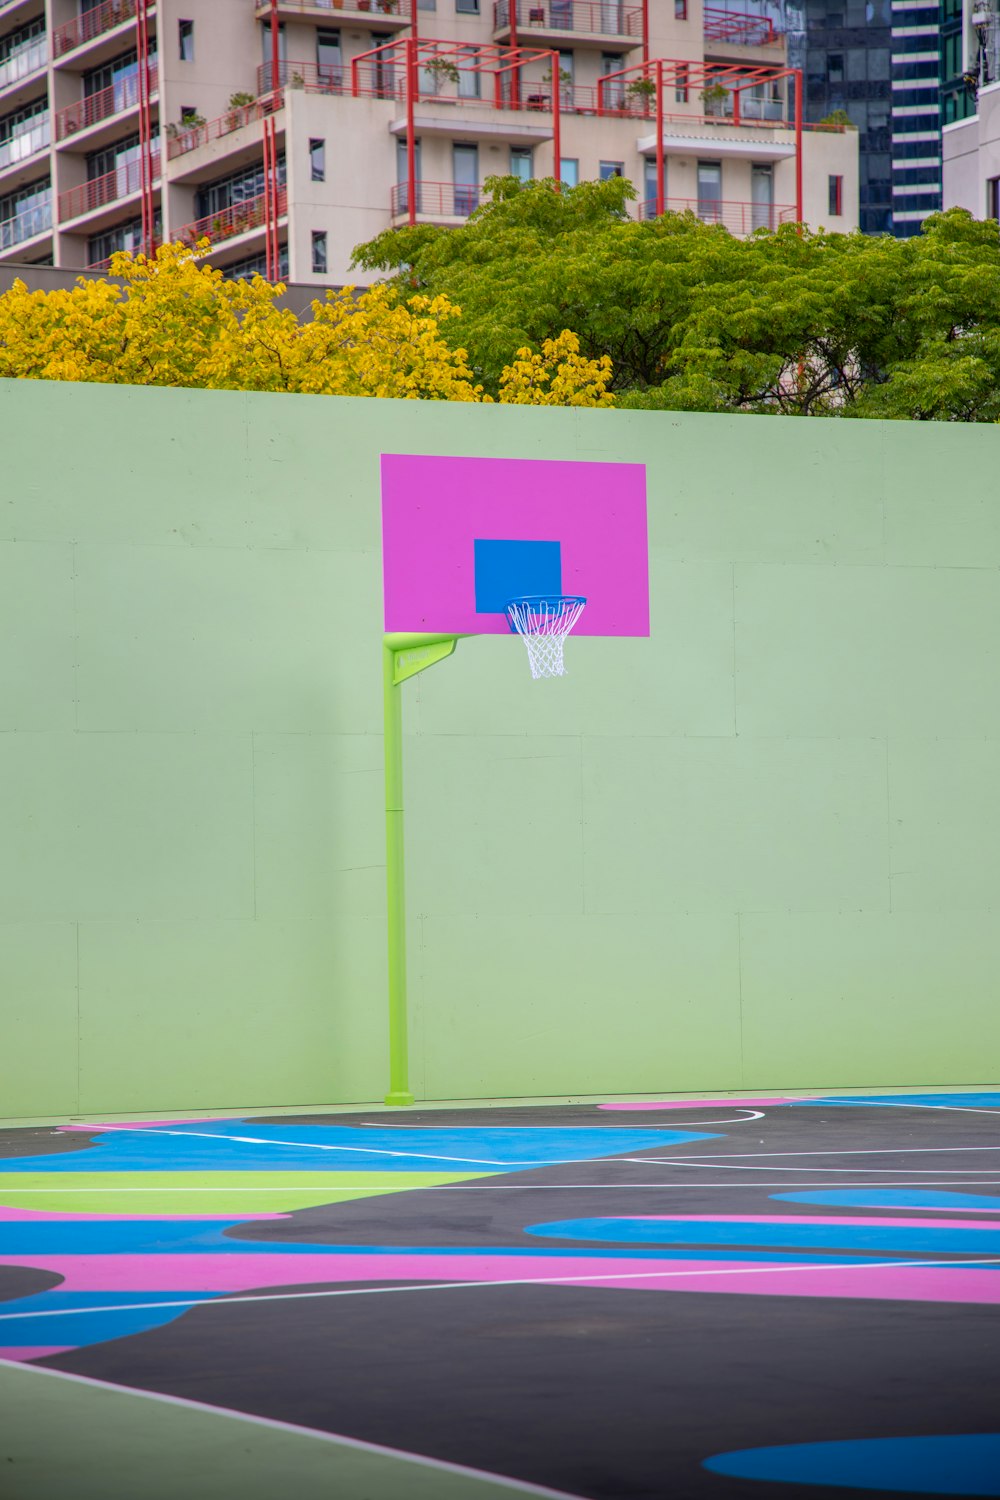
<point x="434" y="510"/>
<point x="162" y="1276"/>
<point x="702" y="1103"/>
<point x="20" y="1352"/>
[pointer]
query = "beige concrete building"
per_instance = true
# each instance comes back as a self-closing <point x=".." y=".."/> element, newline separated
<point x="88" y="154"/>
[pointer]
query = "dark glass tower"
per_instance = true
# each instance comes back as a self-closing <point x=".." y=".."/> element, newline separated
<point x="844" y="48"/>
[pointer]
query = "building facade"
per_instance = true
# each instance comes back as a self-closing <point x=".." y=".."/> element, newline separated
<point x="287" y="134"/>
<point x="971" y="140"/>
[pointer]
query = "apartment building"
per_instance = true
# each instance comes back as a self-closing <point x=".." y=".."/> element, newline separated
<point x="972" y="144"/>
<point x="288" y="131"/>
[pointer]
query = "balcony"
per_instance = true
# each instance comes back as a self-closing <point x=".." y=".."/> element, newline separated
<point x="184" y="141"/>
<point x="91" y="26"/>
<point x="578" y="21"/>
<point x="739" y="218"/>
<point x="236" y="223"/>
<point x="21" y="66"/>
<point x="385" y="16"/>
<point x="435" y="200"/>
<point x="20" y="148"/>
<point x="109" y="104"/>
<point x="25" y="226"/>
<point x="124" y="181"/>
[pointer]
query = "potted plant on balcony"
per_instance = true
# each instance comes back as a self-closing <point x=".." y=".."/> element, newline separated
<point x="440" y="68"/>
<point x="237" y="103"/>
<point x="716" y="99"/>
<point x="388" y="7"/>
<point x="838" y="119"/>
<point x="641" y="90"/>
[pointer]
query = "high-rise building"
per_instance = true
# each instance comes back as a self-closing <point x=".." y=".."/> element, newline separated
<point x="288" y="131"/>
<point x="971" y="137"/>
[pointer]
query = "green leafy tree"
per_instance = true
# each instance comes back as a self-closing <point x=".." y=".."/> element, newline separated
<point x="694" y="319"/>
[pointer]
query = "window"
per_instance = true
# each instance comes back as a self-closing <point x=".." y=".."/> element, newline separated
<point x="680" y="10"/>
<point x="466" y="7"/>
<point x="681" y="84"/>
<point x="185" y="40"/>
<point x="647" y="209"/>
<point x="465" y="175"/>
<point x="238" y="188"/>
<point x="317" y="161"/>
<point x="319" y="252"/>
<point x="329" y="59"/>
<point x="710" y="191"/>
<point x="469" y="81"/>
<point x="427" y="4"/>
<point x="569" y="171"/>
<point x="836" y="195"/>
<point x="835" y="67"/>
<point x="522" y="163"/>
<point x="611" y="169"/>
<point x="614" y="92"/>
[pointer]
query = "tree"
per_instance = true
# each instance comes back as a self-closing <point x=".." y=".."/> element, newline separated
<point x="694" y="319"/>
<point x="170" y="320"/>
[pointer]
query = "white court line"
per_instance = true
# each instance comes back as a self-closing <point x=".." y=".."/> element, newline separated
<point x="249" y="1140"/>
<point x="961" y="1109"/>
<point x="835" y="1171"/>
<point x="513" y="1187"/>
<point x="753" y="1114"/>
<point x="856" y="1151"/>
<point x="421" y="1460"/>
<point x="585" y="1278"/>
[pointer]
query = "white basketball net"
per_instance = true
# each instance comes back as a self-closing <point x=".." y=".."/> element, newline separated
<point x="543" y="625"/>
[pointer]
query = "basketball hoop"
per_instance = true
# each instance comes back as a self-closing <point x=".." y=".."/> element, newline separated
<point x="543" y="624"/>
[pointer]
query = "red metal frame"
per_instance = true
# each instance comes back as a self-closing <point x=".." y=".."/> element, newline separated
<point x="145" y="129"/>
<point x="275" y="47"/>
<point x="489" y="58"/>
<point x="677" y="72"/>
<point x="272" y="202"/>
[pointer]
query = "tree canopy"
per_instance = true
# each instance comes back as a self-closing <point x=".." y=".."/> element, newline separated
<point x="170" y="320"/>
<point x="693" y="319"/>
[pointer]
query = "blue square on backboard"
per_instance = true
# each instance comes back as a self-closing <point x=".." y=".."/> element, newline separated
<point x="510" y="570"/>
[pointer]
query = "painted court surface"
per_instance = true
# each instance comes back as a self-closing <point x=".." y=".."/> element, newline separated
<point x="632" y="1302"/>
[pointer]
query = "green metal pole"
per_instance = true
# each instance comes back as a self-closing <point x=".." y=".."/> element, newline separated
<point x="395" y="881"/>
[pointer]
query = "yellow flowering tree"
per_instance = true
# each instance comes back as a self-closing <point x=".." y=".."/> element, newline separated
<point x="171" y="320"/>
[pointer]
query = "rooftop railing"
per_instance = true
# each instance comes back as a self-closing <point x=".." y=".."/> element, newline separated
<point x="182" y="140"/>
<point x="90" y="24"/>
<point x="740" y="28"/>
<point x="111" y="101"/>
<point x="227" y="223"/>
<point x="122" y="182"/>
<point x="593" y="17"/>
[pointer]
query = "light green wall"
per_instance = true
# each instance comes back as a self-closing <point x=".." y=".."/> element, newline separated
<point x="758" y="850"/>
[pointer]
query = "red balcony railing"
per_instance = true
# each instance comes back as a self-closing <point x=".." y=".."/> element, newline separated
<point x="740" y="28"/>
<point x="312" y="8"/>
<point x="593" y="17"/>
<point x="190" y="139"/>
<point x="90" y="24"/>
<point x="437" y="200"/>
<point x="122" y="182"/>
<point x="320" y="78"/>
<point x="738" y="218"/>
<point x="111" y="101"/>
<point x="229" y="222"/>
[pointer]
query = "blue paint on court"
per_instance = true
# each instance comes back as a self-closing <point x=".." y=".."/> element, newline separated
<point x="244" y="1145"/>
<point x="905" y="1239"/>
<point x="895" y="1198"/>
<point x="961" y="1464"/>
<point x="939" y="1101"/>
<point x="55" y="1317"/>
